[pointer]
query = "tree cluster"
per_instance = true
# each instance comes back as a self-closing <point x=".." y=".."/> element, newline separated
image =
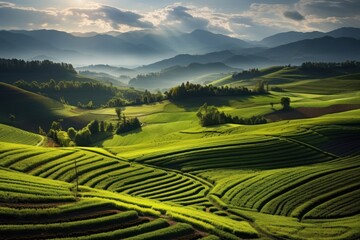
<point x="19" y="66"/>
<point x="72" y="92"/>
<point x="210" y="115"/>
<point x="72" y="137"/>
<point x="196" y="90"/>
<point x="350" y="66"/>
<point x="251" y="73"/>
<point x="126" y="124"/>
<point x="71" y="86"/>
<point x="145" y="97"/>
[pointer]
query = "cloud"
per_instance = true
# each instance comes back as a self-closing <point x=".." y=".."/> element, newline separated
<point x="177" y="17"/>
<point x="294" y="15"/>
<point x="93" y="17"/>
<point x="187" y="18"/>
<point x="6" y="4"/>
<point x="330" y="8"/>
<point x="326" y="15"/>
<point x="113" y="16"/>
<point x="253" y="21"/>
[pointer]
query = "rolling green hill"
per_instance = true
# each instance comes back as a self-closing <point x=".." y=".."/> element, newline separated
<point x="297" y="79"/>
<point x="206" y="194"/>
<point x="295" y="177"/>
<point x="32" y="110"/>
<point x="16" y="135"/>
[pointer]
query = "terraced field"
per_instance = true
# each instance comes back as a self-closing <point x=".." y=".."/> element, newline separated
<point x="37" y="208"/>
<point x="33" y="208"/>
<point x="103" y="171"/>
<point x="299" y="192"/>
<point x="290" y="179"/>
<point x="278" y="152"/>
<point x="281" y="175"/>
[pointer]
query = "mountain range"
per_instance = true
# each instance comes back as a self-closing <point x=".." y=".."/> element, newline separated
<point x="318" y="49"/>
<point x="131" y="48"/>
<point x="289" y="37"/>
<point x="144" y="47"/>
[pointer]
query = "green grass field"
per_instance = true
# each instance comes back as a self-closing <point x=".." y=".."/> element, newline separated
<point x="296" y="177"/>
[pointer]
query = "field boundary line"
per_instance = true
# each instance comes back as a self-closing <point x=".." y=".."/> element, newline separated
<point x="289" y="139"/>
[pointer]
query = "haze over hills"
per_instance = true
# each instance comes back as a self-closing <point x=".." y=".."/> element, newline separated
<point x="137" y="47"/>
<point x="105" y="68"/>
<point x="171" y="76"/>
<point x="318" y="49"/>
<point x="143" y="47"/>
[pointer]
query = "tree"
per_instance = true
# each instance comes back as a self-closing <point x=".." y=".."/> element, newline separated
<point x="118" y="112"/>
<point x="285" y="102"/>
<point x="41" y="131"/>
<point x="109" y="127"/>
<point x="63" y="138"/>
<point x="71" y="132"/>
<point x="82" y="137"/>
<point x="93" y="127"/>
<point x="260" y="86"/>
<point x="56" y="126"/>
<point x="102" y="126"/>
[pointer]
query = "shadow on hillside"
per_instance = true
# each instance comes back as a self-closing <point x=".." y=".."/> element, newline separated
<point x="309" y="112"/>
<point x="100" y="143"/>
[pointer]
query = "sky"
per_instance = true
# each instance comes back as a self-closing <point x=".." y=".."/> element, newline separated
<point x="245" y="19"/>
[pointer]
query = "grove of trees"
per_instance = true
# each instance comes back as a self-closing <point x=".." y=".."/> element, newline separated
<point x="81" y="137"/>
<point x="251" y="73"/>
<point x="349" y="66"/>
<point x="32" y="67"/>
<point x="82" y="94"/>
<point x="210" y="115"/>
<point x="187" y="89"/>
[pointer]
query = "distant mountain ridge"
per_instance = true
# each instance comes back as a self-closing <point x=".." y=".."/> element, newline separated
<point x="318" y="49"/>
<point x="289" y="37"/>
<point x="156" y="49"/>
<point x="102" y="48"/>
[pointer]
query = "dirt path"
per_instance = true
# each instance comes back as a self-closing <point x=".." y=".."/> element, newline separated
<point x="41" y="141"/>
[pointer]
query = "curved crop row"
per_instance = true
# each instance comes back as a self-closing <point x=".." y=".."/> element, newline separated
<point x="301" y="192"/>
<point x="98" y="214"/>
<point x="273" y="153"/>
<point x="101" y="170"/>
